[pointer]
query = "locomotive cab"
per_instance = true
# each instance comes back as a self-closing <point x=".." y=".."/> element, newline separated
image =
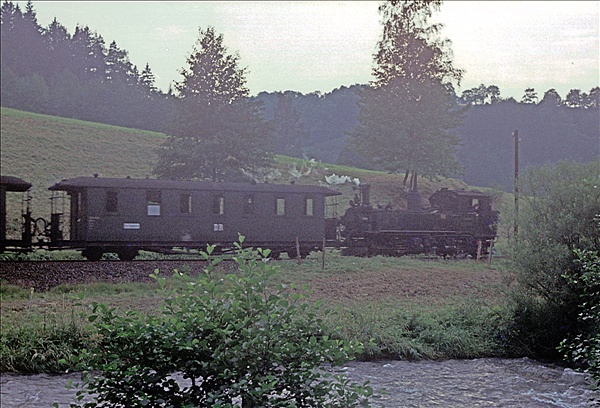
<point x="461" y="201"/>
<point x="473" y="207"/>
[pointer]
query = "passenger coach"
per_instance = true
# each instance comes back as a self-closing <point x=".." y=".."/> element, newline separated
<point x="124" y="216"/>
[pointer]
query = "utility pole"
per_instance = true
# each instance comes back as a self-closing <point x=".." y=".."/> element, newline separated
<point x="516" y="225"/>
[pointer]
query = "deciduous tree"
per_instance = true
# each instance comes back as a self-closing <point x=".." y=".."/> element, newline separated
<point x="530" y="96"/>
<point x="551" y="98"/>
<point x="481" y="95"/>
<point x="575" y="98"/>
<point x="408" y="112"/>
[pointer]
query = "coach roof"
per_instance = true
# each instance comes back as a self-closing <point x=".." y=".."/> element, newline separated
<point x="80" y="183"/>
<point x="12" y="183"/>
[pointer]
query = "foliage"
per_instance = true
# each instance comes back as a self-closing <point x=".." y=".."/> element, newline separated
<point x="469" y="329"/>
<point x="218" y="131"/>
<point x="584" y="348"/>
<point x="399" y="132"/>
<point x="530" y="96"/>
<point x="230" y="340"/>
<point x="28" y="350"/>
<point x="559" y="206"/>
<point x="548" y="132"/>
<point x="322" y="121"/>
<point x="290" y="134"/>
<point x="480" y="95"/>
<point x="405" y="120"/>
<point x="410" y="47"/>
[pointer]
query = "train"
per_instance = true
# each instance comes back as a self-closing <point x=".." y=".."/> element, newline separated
<point x="123" y="216"/>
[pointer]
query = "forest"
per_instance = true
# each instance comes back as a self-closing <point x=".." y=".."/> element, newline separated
<point x="77" y="75"/>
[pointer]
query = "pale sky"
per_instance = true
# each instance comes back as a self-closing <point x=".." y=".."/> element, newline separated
<point x="322" y="45"/>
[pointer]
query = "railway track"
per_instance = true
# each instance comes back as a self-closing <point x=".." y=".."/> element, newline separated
<point x="44" y="275"/>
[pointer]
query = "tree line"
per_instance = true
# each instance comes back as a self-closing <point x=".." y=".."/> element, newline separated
<point x="378" y="125"/>
<point x="490" y="94"/>
<point x="49" y="70"/>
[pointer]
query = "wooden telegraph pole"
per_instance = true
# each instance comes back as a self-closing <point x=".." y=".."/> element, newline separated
<point x="516" y="225"/>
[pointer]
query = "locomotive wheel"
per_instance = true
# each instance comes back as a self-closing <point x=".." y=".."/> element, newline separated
<point x="275" y="255"/>
<point x="93" y="254"/>
<point x="127" y="254"/>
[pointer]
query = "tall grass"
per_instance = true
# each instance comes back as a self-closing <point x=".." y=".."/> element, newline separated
<point x="37" y="338"/>
<point x="467" y="330"/>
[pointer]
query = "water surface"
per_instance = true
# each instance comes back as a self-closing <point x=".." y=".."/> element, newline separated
<point x="453" y="383"/>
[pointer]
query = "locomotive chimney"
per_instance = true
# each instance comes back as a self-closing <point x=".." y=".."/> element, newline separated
<point x="413" y="199"/>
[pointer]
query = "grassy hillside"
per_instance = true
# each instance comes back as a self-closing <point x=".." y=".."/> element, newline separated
<point x="46" y="149"/>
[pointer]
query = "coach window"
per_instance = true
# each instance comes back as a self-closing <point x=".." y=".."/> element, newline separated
<point x="112" y="201"/>
<point x="154" y="202"/>
<point x="185" y="203"/>
<point x="280" y="206"/>
<point x="309" y="206"/>
<point x="218" y="205"/>
<point x="249" y="204"/>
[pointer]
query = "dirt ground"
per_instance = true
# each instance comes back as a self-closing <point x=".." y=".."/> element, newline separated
<point x="433" y="284"/>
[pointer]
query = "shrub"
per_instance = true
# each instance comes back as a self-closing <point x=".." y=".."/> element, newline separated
<point x="231" y="339"/>
<point x="560" y="203"/>
<point x="583" y="349"/>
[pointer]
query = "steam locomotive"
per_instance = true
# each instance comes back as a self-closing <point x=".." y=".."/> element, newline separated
<point x="457" y="222"/>
<point x="124" y="216"/>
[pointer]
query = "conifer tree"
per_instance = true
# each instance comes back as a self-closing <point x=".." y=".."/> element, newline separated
<point x="118" y="66"/>
<point x="147" y="80"/>
<point x="88" y="51"/>
<point x="57" y="41"/>
<point x="218" y="131"/>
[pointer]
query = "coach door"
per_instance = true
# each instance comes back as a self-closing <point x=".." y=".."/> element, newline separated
<point x="78" y="215"/>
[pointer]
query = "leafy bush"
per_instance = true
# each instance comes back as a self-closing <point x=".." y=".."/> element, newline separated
<point x="560" y="203"/>
<point x="230" y="338"/>
<point x="584" y="348"/>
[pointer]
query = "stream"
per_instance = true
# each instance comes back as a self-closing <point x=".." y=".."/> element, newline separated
<point x="485" y="382"/>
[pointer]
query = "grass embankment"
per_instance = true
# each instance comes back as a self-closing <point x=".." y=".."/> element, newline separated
<point x="411" y="308"/>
